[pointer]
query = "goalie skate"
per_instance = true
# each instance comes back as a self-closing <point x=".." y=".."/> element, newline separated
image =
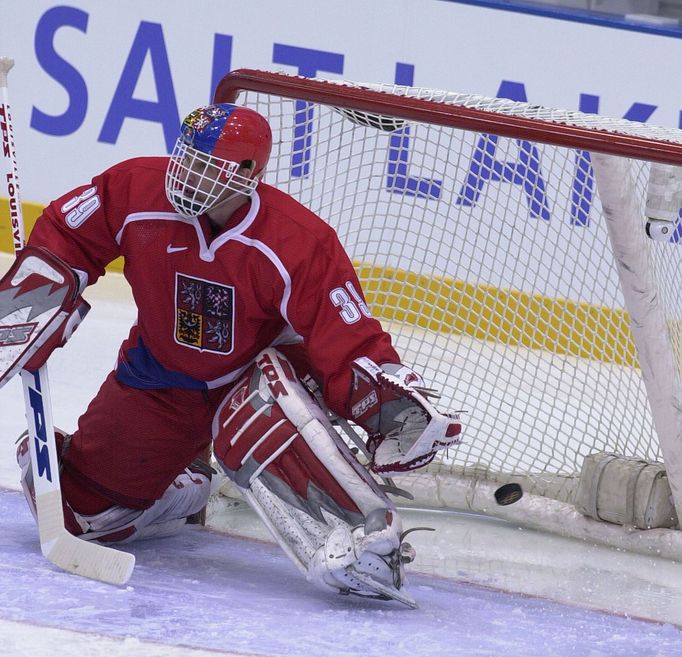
<point x="380" y="590"/>
<point x="377" y="575"/>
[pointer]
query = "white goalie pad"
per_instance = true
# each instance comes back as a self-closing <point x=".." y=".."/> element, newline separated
<point x="326" y="512"/>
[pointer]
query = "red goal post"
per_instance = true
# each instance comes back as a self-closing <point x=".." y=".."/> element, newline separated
<point x="507" y="248"/>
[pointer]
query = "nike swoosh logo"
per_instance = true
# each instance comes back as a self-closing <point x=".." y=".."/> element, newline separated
<point x="175" y="249"/>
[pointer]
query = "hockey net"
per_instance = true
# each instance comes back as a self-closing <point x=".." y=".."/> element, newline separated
<point x="504" y="246"/>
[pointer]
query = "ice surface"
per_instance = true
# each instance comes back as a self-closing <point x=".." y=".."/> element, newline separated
<point x="213" y="591"/>
<point x="207" y="593"/>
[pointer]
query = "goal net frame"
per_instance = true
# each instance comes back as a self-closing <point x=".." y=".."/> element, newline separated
<point x="612" y="145"/>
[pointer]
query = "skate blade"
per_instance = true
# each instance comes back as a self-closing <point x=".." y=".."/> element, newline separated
<point x="382" y="589"/>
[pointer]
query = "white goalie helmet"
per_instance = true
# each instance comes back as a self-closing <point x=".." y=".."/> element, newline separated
<point x="215" y="143"/>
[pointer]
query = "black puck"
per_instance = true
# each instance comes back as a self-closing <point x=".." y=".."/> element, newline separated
<point x="508" y="494"/>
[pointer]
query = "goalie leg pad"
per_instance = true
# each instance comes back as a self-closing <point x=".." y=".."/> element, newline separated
<point x="326" y="512"/>
<point x="39" y="309"/>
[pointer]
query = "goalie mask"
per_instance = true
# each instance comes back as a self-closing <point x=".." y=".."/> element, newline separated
<point x="215" y="142"/>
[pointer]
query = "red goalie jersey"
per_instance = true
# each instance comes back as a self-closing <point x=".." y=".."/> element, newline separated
<point x="209" y="301"/>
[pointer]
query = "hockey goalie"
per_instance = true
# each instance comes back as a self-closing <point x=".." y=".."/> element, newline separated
<point x="242" y="293"/>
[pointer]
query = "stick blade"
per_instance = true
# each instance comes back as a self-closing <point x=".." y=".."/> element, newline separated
<point x="89" y="560"/>
<point x="73" y="554"/>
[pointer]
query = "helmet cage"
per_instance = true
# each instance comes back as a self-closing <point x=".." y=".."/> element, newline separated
<point x="197" y="181"/>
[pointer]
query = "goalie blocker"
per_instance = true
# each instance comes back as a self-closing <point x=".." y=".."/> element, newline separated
<point x="40" y="307"/>
<point x="323" y="508"/>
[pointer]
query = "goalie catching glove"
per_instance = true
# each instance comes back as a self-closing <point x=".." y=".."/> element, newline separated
<point x="404" y="429"/>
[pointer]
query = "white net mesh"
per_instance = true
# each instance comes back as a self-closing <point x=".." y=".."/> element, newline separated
<point x="488" y="260"/>
<point x="506" y="107"/>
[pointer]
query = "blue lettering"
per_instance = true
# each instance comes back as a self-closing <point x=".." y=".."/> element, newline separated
<point x="42" y="453"/>
<point x="308" y="62"/>
<point x="582" y="188"/>
<point x="398" y="179"/>
<point x="588" y="104"/>
<point x="525" y="172"/>
<point x="149" y="39"/>
<point x="640" y="112"/>
<point x="43" y="460"/>
<point x="222" y="60"/>
<point x="61" y="71"/>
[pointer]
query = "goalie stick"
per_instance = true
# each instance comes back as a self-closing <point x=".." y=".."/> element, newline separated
<point x="59" y="546"/>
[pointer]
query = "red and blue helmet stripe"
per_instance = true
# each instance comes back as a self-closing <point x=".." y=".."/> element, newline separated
<point x="230" y="132"/>
<point x="203" y="127"/>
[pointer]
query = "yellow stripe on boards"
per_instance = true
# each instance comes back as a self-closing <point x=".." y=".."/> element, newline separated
<point x="512" y="317"/>
<point x="31" y="211"/>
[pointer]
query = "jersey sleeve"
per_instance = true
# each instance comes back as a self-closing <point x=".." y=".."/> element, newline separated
<point x="328" y="309"/>
<point x="81" y="226"/>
